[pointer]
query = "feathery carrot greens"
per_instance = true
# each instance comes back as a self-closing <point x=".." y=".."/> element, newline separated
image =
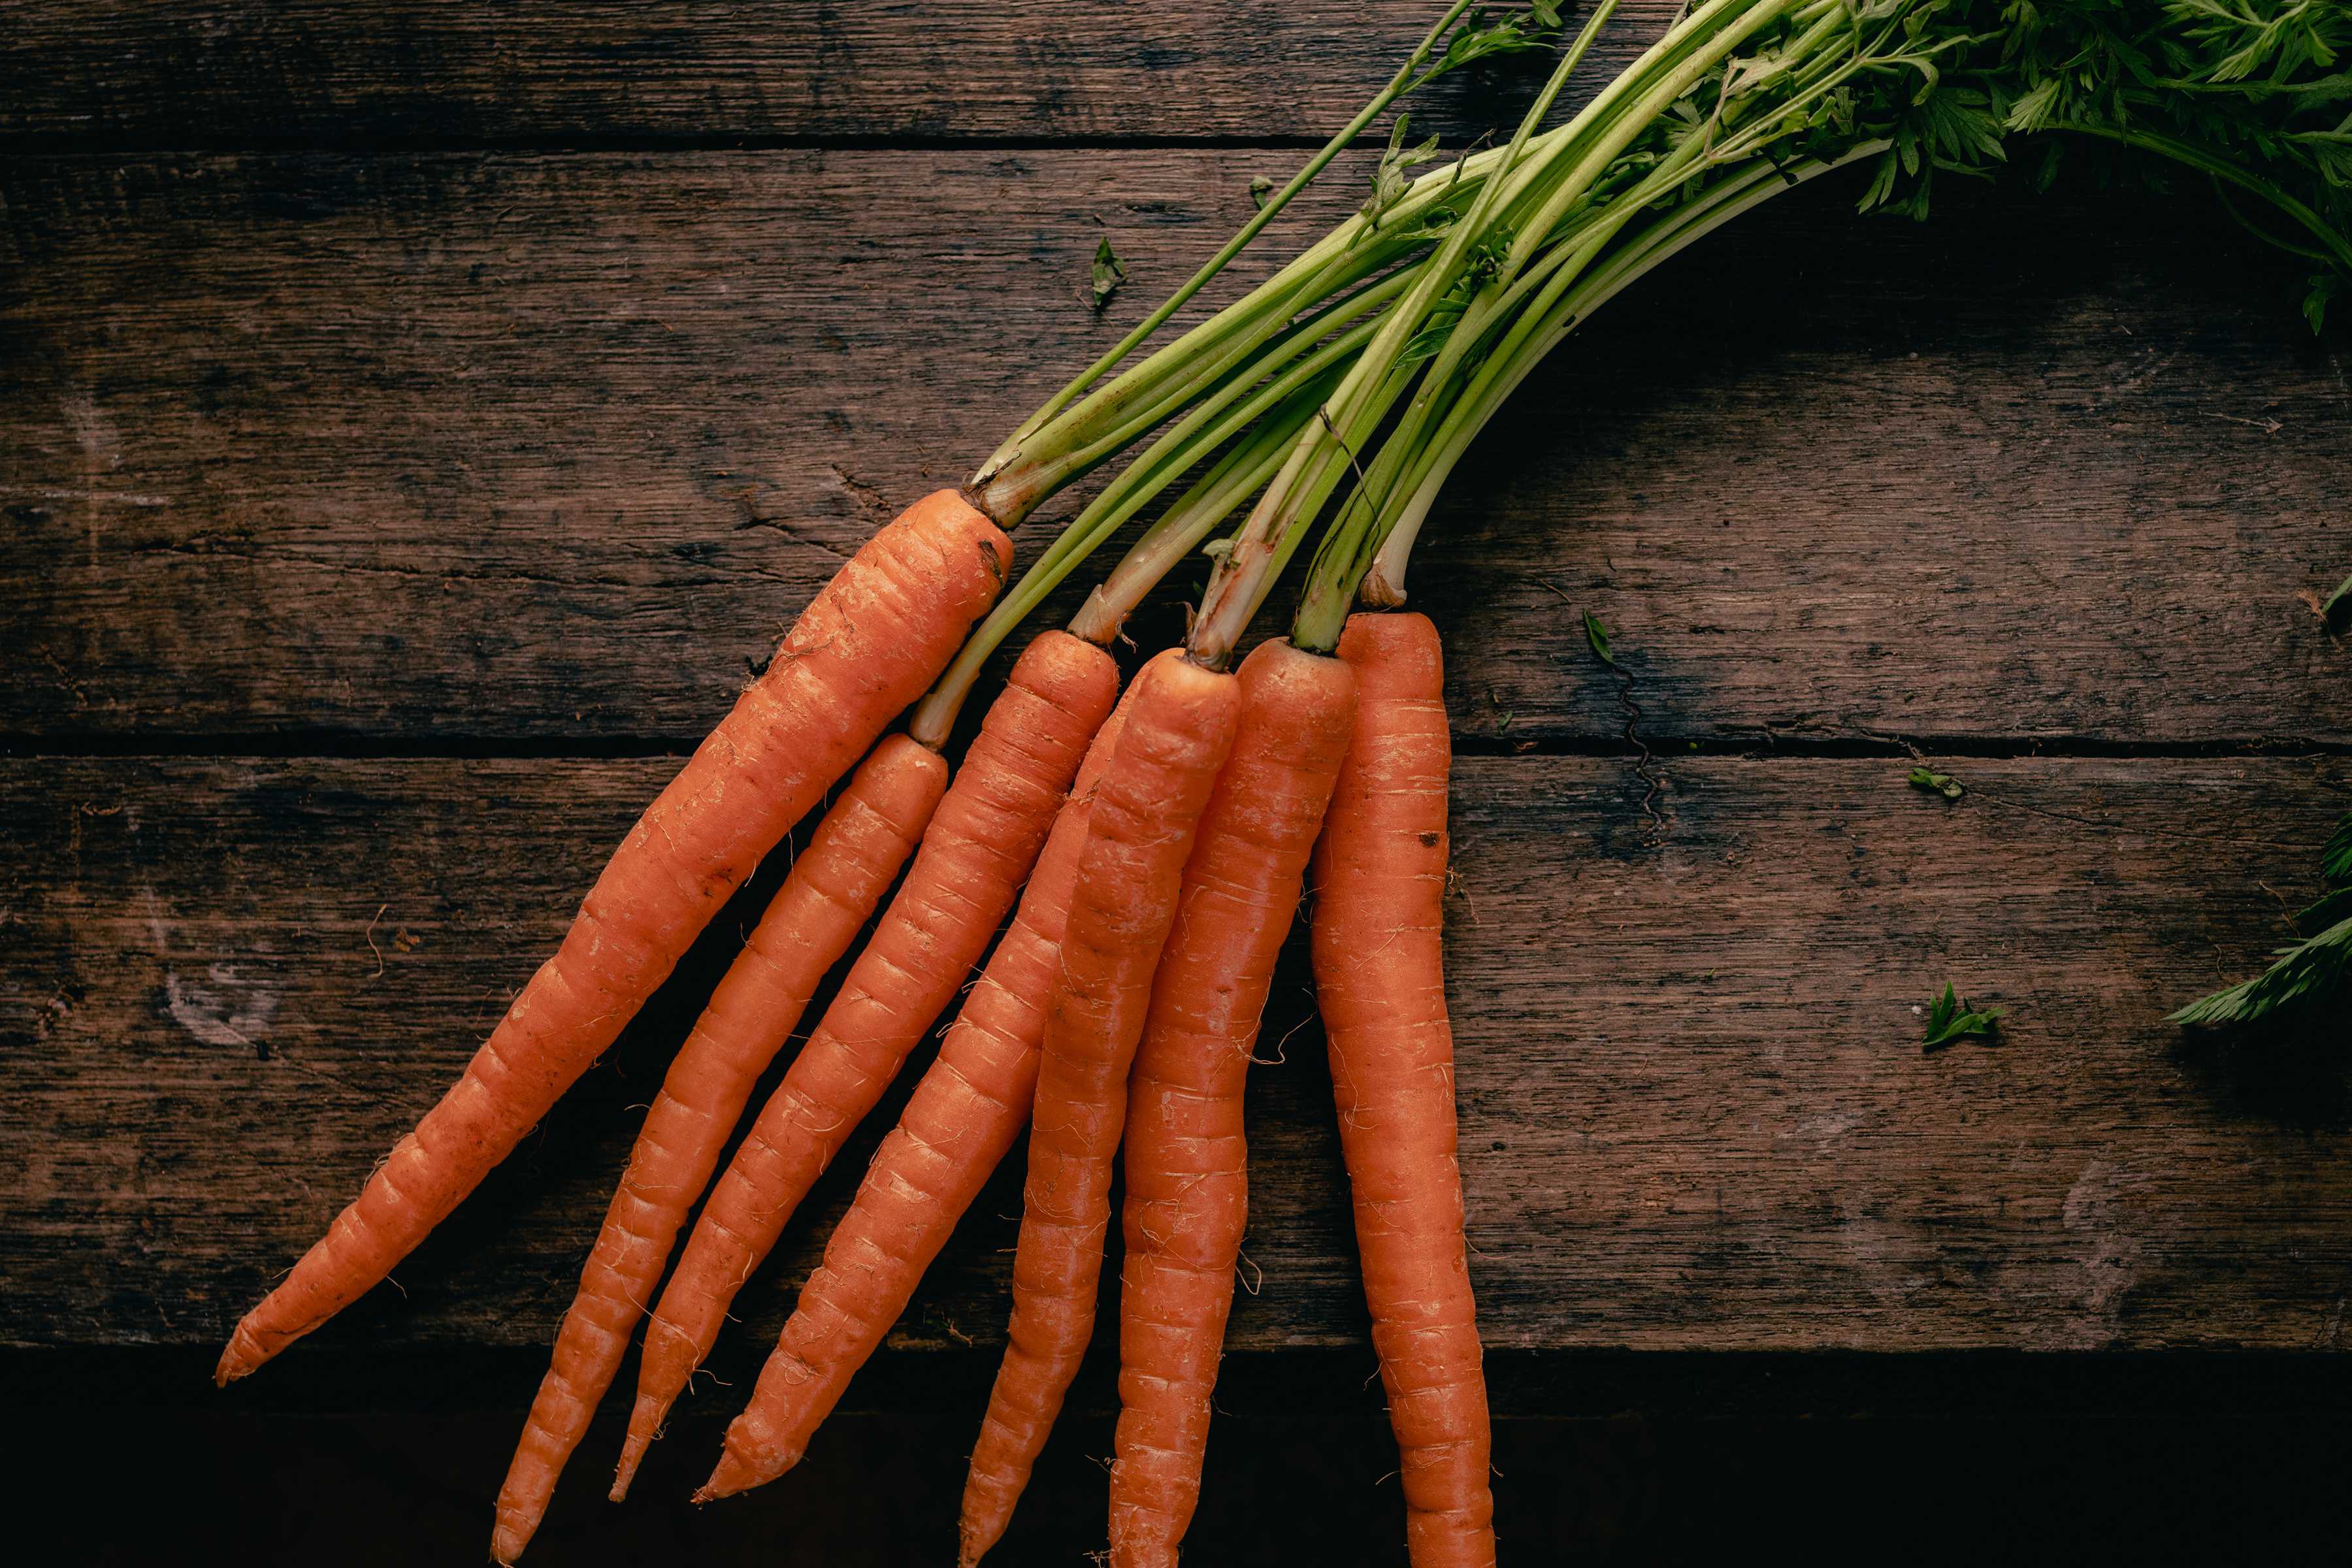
<point x="1351" y="384"/>
<point x="2312" y="973"/>
<point x="1740" y="100"/>
<point x="1950" y="1019"/>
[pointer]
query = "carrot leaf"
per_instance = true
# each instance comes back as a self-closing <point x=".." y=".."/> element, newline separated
<point x="2311" y="975"/>
<point x="2334" y="907"/>
<point x="1596" y="635"/>
<point x="2338" y="611"/>
<point x="1477" y="35"/>
<point x="1935" y="783"/>
<point x="1109" y="273"/>
<point x="2323" y="287"/>
<point x="1394" y="177"/>
<point x="1950" y="1019"/>
<point x="2335" y="860"/>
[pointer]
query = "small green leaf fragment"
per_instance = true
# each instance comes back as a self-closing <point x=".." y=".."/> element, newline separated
<point x="1394" y="177"/>
<point x="2305" y="975"/>
<point x="1950" y="1019"/>
<point x="2332" y="910"/>
<point x="2323" y="287"/>
<point x="1475" y="36"/>
<point x="1109" y="273"/>
<point x="2045" y="169"/>
<point x="1260" y="188"/>
<point x="1596" y="635"/>
<point x="1935" y="783"/>
<point x="2337" y="609"/>
<point x="2335" y="860"/>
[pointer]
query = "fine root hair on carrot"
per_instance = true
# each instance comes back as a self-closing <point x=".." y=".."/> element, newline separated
<point x="866" y="646"/>
<point x="980" y="844"/>
<point x="1179" y="727"/>
<point x="1187" y="1199"/>
<point x="1379" y="979"/>
<point x="834" y="885"/>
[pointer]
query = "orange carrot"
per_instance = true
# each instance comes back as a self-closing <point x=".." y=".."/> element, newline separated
<point x="1179" y="726"/>
<point x="982" y="841"/>
<point x="1187" y="1178"/>
<point x="865" y="646"/>
<point x="1379" y="979"/>
<point x="834" y="885"/>
<point x="963" y="1118"/>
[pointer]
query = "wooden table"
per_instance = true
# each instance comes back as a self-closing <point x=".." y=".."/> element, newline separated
<point x="413" y="419"/>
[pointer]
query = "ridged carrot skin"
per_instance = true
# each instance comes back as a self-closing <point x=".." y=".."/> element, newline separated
<point x="835" y="883"/>
<point x="1187" y="1153"/>
<point x="867" y="644"/>
<point x="963" y="1118"/>
<point x="1179" y="727"/>
<point x="1379" y="981"/>
<point x="982" y="841"/>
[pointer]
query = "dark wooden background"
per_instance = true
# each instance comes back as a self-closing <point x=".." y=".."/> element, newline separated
<point x="412" y="416"/>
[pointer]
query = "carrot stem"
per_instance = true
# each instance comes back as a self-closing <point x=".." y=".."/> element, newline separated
<point x="1349" y="418"/>
<point x="1404" y="81"/>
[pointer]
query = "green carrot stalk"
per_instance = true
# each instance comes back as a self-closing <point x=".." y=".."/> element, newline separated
<point x="1407" y="76"/>
<point x="1248" y="571"/>
<point x="1917" y="85"/>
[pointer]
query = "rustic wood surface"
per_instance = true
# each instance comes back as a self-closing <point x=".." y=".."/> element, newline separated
<point x="1695" y="1111"/>
<point x="419" y="448"/>
<point x="412" y="417"/>
<point x="135" y="74"/>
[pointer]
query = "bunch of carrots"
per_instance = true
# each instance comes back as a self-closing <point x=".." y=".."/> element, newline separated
<point x="1138" y="859"/>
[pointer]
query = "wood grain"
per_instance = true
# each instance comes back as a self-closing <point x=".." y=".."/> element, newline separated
<point x="1695" y="1113"/>
<point x="130" y="74"/>
<point x="413" y="450"/>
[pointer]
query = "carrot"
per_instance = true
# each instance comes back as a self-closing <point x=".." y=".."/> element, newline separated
<point x="1379" y="979"/>
<point x="1179" y="726"/>
<point x="834" y="885"/>
<point x="864" y="649"/>
<point x="982" y="841"/>
<point x="969" y="1107"/>
<point x="1187" y="1180"/>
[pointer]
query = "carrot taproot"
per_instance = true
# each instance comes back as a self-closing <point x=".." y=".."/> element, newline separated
<point x="1379" y="981"/>
<point x="834" y="885"/>
<point x="1179" y="727"/>
<point x="981" y="843"/>
<point x="1187" y="1176"/>
<point x="864" y="648"/>
<point x="962" y="1120"/>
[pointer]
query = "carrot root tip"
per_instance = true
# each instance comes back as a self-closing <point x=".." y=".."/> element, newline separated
<point x="235" y="1362"/>
<point x="732" y="1475"/>
<point x="507" y="1544"/>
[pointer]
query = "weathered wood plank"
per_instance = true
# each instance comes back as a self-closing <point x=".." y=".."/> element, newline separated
<point x="1695" y="1113"/>
<point x="546" y="447"/>
<point x="121" y="73"/>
